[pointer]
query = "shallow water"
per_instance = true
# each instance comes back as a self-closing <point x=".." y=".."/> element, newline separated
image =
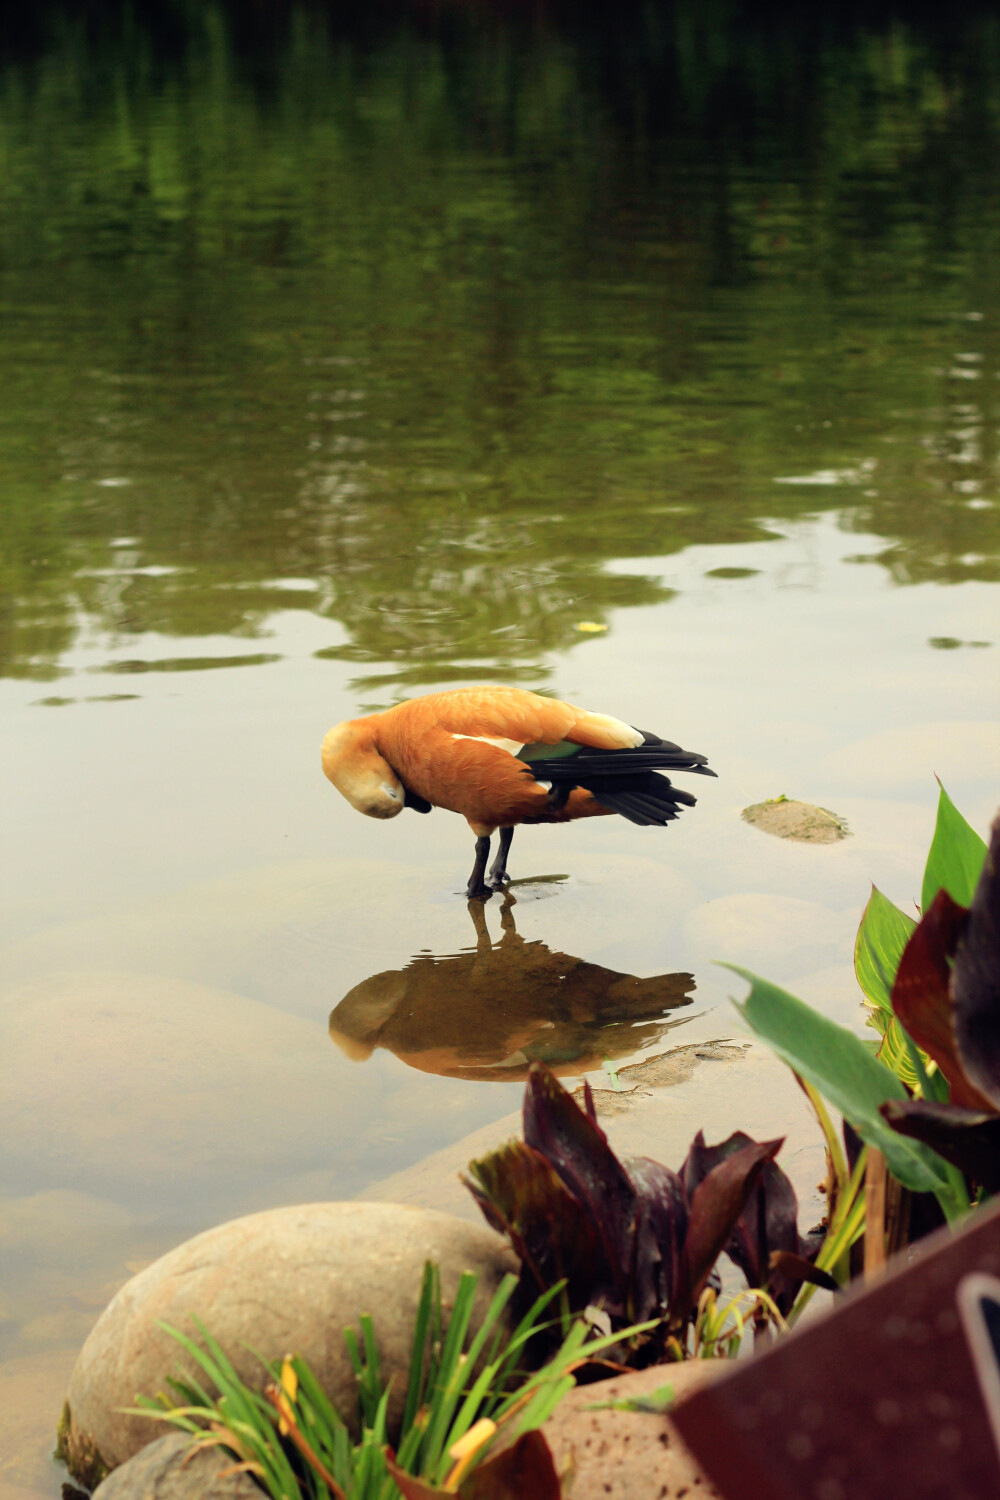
<point x="655" y="369"/>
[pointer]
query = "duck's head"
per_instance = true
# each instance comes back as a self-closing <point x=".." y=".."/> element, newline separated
<point x="352" y="762"/>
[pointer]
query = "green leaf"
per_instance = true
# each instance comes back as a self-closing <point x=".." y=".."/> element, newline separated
<point x="879" y="1020"/>
<point x="895" y="1053"/>
<point x="429" y="1288"/>
<point x="840" y="1066"/>
<point x="655" y="1403"/>
<point x="956" y="857"/>
<point x="883" y="934"/>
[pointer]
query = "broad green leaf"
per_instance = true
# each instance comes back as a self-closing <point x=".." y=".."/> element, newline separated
<point x="882" y="938"/>
<point x="841" y="1067"/>
<point x="956" y="857"/>
<point x="883" y="934"/>
<point x="895" y="1053"/>
<point x="878" y="1019"/>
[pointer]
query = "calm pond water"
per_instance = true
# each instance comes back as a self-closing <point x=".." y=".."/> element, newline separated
<point x="651" y="362"/>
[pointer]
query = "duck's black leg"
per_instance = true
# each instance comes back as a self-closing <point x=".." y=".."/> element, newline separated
<point x="476" y="887"/>
<point x="498" y="870"/>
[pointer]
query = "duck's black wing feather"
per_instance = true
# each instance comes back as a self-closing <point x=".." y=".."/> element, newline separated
<point x="625" y="781"/>
<point x="644" y="798"/>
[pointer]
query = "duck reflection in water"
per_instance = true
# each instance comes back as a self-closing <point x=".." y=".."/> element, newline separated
<point x="491" y="1011"/>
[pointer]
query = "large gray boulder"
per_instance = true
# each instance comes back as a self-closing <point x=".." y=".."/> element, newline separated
<point x="167" y="1470"/>
<point x="285" y="1281"/>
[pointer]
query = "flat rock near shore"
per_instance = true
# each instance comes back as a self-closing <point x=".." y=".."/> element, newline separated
<point x="618" y="1454"/>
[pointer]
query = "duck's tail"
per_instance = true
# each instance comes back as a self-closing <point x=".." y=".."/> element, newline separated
<point x="624" y="781"/>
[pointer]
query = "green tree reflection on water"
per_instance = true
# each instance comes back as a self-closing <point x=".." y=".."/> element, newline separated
<point x="440" y="314"/>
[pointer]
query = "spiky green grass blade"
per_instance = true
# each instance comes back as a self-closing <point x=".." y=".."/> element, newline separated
<point x="430" y="1292"/>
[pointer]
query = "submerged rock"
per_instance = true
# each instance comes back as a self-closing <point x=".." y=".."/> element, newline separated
<point x="664" y="1070"/>
<point x="167" y="1470"/>
<point x="781" y="936"/>
<point x="286" y="1281"/>
<point x="802" y="821"/>
<point x="94" y="1064"/>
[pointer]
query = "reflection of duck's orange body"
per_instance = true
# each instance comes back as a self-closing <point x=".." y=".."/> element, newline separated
<point x="502" y="756"/>
<point x="489" y="1012"/>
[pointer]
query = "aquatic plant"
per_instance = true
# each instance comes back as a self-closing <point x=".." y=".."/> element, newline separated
<point x="926" y="1103"/>
<point x="636" y="1241"/>
<point x="947" y="997"/>
<point x="465" y="1392"/>
<point x="954" y="863"/>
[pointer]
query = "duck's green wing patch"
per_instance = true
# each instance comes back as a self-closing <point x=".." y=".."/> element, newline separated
<point x="538" y="751"/>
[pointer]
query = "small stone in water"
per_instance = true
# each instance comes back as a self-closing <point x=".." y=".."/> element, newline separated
<point x="801" y="821"/>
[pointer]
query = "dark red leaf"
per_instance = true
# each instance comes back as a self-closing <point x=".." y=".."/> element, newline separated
<point x="975" y="982"/>
<point x="968" y="1138"/>
<point x="551" y="1233"/>
<point x="798" y="1268"/>
<point x="633" y="1242"/>
<point x="578" y="1150"/>
<point x="524" y="1471"/>
<point x="768" y="1223"/>
<point x="716" y="1204"/>
<point x="589" y="1107"/>
<point x="664" y="1204"/>
<point x="921" y="996"/>
<point x="411" y="1488"/>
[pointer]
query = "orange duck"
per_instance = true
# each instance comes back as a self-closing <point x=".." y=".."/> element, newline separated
<point x="503" y="756"/>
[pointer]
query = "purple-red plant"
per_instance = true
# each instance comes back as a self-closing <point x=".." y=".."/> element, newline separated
<point x="765" y="1242"/>
<point x="635" y="1239"/>
<point x="947" y="996"/>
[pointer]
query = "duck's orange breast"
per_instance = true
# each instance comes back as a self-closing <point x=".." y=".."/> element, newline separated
<point x="483" y="782"/>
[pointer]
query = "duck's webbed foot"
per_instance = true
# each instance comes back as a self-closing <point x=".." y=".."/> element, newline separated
<point x="498" y="870"/>
<point x="477" y="889"/>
